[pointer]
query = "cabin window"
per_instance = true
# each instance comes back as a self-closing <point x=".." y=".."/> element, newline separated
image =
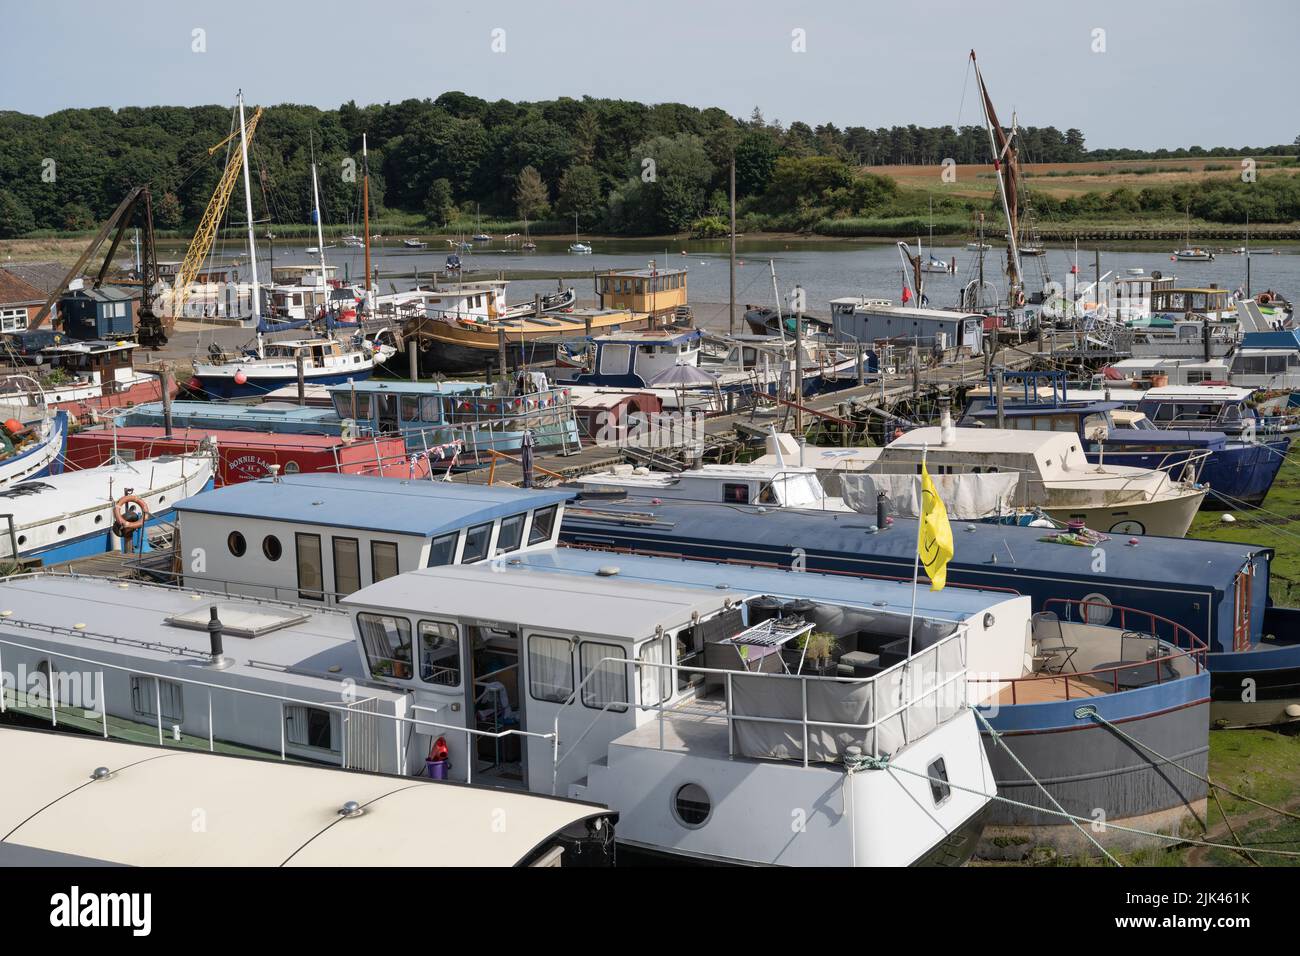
<point x="443" y="550"/>
<point x="550" y="668"/>
<point x="410" y="408"/>
<point x="311" y="580"/>
<point x="476" y="543"/>
<point x="148" y="692"/>
<point x="431" y="409"/>
<point x="656" y="682"/>
<point x="614" y="358"/>
<point x="387" y="641"/>
<point x="272" y="548"/>
<point x="735" y="493"/>
<point x="511" y="534"/>
<point x="347" y="565"/>
<point x="236" y="543"/>
<point x="607" y="687"/>
<point x="309" y="727"/>
<point x="383" y="560"/>
<point x="439" y="653"/>
<point x="543" y="525"/>
<point x="939" y="787"/>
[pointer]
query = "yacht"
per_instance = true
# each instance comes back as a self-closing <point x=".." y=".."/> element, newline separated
<point x="776" y="486"/>
<point x="324" y="361"/>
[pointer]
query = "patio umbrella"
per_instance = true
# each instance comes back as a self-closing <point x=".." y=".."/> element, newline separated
<point x="682" y="377"/>
<point x="526" y="458"/>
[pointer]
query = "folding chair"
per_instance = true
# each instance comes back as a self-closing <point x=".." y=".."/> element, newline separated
<point x="1050" y="641"/>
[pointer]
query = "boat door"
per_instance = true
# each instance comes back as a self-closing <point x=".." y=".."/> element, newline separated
<point x="494" y="699"/>
<point x="386" y="410"/>
<point x="318" y="356"/>
<point x="1241" y="594"/>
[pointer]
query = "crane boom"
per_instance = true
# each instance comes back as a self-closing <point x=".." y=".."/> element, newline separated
<point x="212" y="216"/>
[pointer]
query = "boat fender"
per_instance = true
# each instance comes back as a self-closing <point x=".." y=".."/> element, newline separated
<point x="130" y="520"/>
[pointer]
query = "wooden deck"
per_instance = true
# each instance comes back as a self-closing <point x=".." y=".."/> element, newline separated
<point x="1047" y="690"/>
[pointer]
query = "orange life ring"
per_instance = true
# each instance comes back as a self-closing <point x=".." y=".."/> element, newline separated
<point x="119" y="512"/>
<point x="1020" y="297"/>
<point x="1263" y="298"/>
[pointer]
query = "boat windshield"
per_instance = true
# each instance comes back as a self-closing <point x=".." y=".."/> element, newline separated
<point x="793" y="490"/>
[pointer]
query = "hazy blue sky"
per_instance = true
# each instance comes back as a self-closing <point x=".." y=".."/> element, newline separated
<point x="1174" y="72"/>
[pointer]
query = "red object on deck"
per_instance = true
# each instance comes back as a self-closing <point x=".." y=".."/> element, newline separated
<point x="247" y="456"/>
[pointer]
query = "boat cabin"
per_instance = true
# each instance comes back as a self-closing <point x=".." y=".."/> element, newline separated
<point x="1207" y="407"/>
<point x="867" y="321"/>
<point x="1211" y="302"/>
<point x="634" y="358"/>
<point x="97" y="362"/>
<point x="775" y="486"/>
<point x="656" y="292"/>
<point x="318" y="538"/>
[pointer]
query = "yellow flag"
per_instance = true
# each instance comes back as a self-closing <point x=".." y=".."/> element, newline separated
<point x="933" y="535"/>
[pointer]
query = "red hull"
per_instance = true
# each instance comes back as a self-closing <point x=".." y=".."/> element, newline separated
<point x="247" y="456"/>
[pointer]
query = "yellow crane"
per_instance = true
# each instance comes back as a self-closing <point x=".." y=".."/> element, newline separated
<point x="211" y="221"/>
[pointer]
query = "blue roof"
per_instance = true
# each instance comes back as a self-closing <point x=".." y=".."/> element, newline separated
<point x="184" y="414"/>
<point x="979" y="547"/>
<point x="1288" y="339"/>
<point x="953" y="604"/>
<point x="1022" y="409"/>
<point x="394" y="505"/>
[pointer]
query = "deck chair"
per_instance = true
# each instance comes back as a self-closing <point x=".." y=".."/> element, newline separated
<point x="1049" y="642"/>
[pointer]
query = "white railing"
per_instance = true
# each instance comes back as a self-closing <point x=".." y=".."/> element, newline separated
<point x="363" y="710"/>
<point x="870" y="730"/>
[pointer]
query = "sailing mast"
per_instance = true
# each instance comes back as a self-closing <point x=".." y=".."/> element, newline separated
<point x="252" y="241"/>
<point x="365" y="210"/>
<point x="1003" y="147"/>
<point x="315" y="198"/>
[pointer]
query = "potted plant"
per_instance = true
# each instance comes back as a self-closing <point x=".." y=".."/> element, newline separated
<point x="818" y="647"/>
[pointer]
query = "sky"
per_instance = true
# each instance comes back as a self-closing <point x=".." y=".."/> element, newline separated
<point x="1136" y="73"/>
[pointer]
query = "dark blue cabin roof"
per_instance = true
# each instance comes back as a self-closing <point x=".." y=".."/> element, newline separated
<point x="1206" y="565"/>
<point x="394" y="505"/>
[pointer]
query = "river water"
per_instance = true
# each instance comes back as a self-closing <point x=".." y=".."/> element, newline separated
<point x="824" y="268"/>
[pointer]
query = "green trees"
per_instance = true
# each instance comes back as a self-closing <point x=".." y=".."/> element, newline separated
<point x="532" y="198"/>
<point x="580" y="194"/>
<point x="439" y="206"/>
<point x="71" y="168"/>
<point x="15" y="218"/>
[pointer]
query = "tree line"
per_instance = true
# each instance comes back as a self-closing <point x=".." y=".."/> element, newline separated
<point x="615" y="165"/>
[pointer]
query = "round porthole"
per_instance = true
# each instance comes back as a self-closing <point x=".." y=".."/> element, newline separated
<point x="291" y="468"/>
<point x="271" y="548"/>
<point x="62" y="528"/>
<point x="692" y="806"/>
<point x="1096" y="609"/>
<point x="22" y="539"/>
<point x="99" y="519"/>
<point x="236" y="543"/>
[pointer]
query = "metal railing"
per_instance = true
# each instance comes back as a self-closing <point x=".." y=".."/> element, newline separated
<point x="346" y="712"/>
<point x="870" y="729"/>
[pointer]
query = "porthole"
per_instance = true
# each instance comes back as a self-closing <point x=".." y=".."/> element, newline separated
<point x="271" y="548"/>
<point x="62" y="528"/>
<point x="291" y="468"/>
<point x="692" y="806"/>
<point x="1096" y="609"/>
<point x="99" y="519"/>
<point x="22" y="539"/>
<point x="236" y="543"/>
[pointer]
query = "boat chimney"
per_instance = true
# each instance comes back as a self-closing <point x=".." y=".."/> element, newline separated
<point x="882" y="511"/>
<point x="947" y="431"/>
<point x="274" y="472"/>
<point x="215" y="627"/>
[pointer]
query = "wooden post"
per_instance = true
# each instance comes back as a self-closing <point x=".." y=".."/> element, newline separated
<point x="537" y="305"/>
<point x="1002" y="416"/>
<point x="165" y="374"/>
<point x="586" y="326"/>
<point x="501" y="354"/>
<point x="412" y="362"/>
<point x="796" y="393"/>
<point x="302" y="379"/>
<point x="862" y="365"/>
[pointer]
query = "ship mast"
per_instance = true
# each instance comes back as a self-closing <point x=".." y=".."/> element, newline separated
<point x="365" y="210"/>
<point x="1004" y="164"/>
<point x="252" y="242"/>
<point x="320" y="238"/>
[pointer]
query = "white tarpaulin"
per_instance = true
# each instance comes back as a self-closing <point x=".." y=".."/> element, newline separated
<point x="967" y="497"/>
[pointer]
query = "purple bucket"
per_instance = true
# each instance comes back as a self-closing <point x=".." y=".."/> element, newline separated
<point x="437" y="769"/>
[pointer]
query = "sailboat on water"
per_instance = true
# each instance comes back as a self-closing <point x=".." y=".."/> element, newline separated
<point x="1190" y="253"/>
<point x="578" y="248"/>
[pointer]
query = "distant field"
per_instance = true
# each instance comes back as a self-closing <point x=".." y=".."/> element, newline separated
<point x="1062" y="180"/>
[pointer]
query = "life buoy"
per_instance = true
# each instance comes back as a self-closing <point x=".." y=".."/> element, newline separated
<point x="1263" y="298"/>
<point x="120" y="512"/>
<point x="1020" y="297"/>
